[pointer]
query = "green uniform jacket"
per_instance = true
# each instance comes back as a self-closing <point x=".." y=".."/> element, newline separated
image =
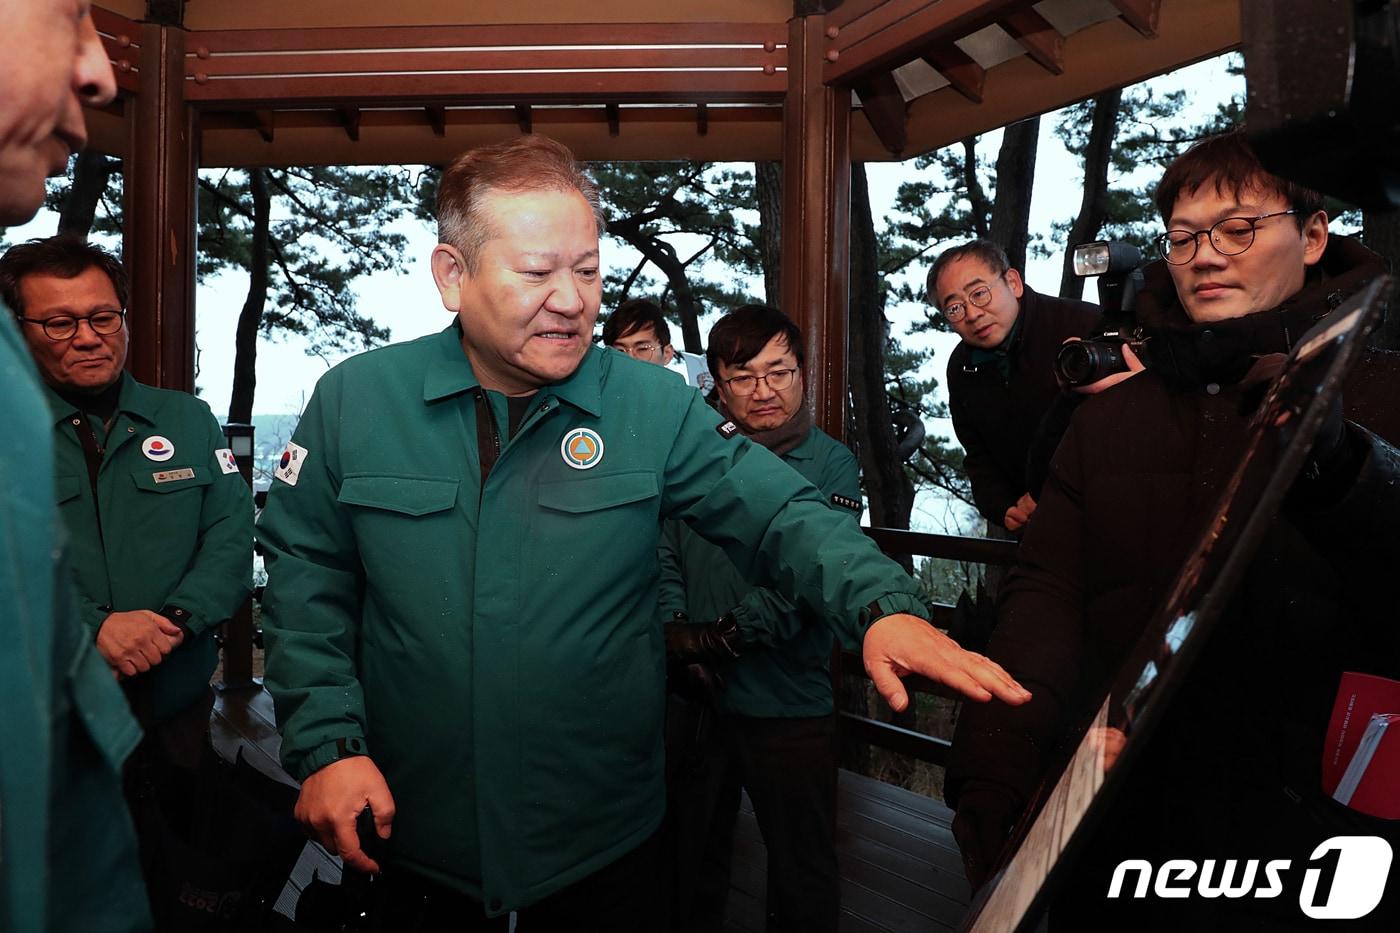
<point x="495" y="650"/>
<point x="175" y="531"/>
<point x="790" y="674"/>
<point x="68" y="860"/>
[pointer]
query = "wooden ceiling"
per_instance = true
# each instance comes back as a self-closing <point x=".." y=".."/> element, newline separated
<point x="418" y="81"/>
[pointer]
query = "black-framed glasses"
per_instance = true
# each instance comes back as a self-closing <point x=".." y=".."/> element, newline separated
<point x="981" y="296"/>
<point x="777" y="380"/>
<point x="65" y="326"/>
<point x="1229" y="237"/>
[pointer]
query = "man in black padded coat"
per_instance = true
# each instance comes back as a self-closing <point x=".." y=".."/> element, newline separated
<point x="1233" y="770"/>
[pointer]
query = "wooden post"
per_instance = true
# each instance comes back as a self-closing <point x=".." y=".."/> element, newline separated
<point x="816" y="218"/>
<point x="158" y="242"/>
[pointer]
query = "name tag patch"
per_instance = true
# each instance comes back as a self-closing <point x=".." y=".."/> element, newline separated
<point x="846" y="502"/>
<point x="289" y="467"/>
<point x="171" y="476"/>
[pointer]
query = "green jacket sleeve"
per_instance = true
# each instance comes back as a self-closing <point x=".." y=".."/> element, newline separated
<point x="311" y="607"/>
<point x="766" y="617"/>
<point x="670" y="584"/>
<point x="778" y="529"/>
<point x="221" y="576"/>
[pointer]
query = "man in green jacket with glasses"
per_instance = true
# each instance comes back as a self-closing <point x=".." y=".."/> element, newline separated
<point x="461" y="608"/>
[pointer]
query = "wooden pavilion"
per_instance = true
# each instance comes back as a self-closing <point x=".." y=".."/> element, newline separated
<point x="812" y="83"/>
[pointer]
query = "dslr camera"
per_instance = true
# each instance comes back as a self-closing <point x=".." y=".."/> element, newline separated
<point x="1118" y="267"/>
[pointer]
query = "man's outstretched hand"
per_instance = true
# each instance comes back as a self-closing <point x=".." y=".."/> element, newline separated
<point x="331" y="800"/>
<point x="901" y="644"/>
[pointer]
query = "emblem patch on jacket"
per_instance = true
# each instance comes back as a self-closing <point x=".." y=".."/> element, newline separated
<point x="227" y="462"/>
<point x="157" y="449"/>
<point x="727" y="430"/>
<point x="582" y="449"/>
<point x="289" y="467"/>
<point x="846" y="502"/>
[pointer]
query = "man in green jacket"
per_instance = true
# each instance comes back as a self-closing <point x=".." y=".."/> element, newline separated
<point x="461" y="607"/>
<point x="160" y="522"/>
<point x="772" y="728"/>
<point x="67" y="855"/>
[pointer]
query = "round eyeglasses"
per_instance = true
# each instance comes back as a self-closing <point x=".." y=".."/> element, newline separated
<point x="640" y="351"/>
<point x="1228" y="237"/>
<point x="980" y="297"/>
<point x="65" y="326"/>
<point x="777" y="380"/>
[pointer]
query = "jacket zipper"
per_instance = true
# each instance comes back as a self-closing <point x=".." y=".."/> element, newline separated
<point x="488" y="438"/>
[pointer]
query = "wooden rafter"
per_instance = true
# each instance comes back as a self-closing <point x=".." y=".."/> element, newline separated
<point x="964" y="74"/>
<point x="883" y="36"/>
<point x="1143" y="15"/>
<point x="523" y="118"/>
<point x="1042" y="42"/>
<point x="614" y="115"/>
<point x="702" y="119"/>
<point x="884" y="107"/>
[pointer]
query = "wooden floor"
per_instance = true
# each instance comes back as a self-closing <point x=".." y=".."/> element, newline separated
<point x="900" y="870"/>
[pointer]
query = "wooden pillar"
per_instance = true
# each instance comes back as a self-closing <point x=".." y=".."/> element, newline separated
<point x="816" y="218"/>
<point x="159" y="238"/>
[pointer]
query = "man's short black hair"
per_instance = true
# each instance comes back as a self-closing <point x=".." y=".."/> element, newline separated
<point x="633" y="315"/>
<point x="1228" y="162"/>
<point x="64" y="256"/>
<point x="987" y="251"/>
<point x="742" y="334"/>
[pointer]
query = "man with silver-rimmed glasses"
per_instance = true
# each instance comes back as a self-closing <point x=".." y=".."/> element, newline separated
<point x="1001" y="378"/>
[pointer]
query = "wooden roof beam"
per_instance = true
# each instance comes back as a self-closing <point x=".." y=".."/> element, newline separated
<point x="964" y="74"/>
<point x="702" y="119"/>
<point x="614" y="114"/>
<point x="885" y="109"/>
<point x="350" y="119"/>
<point x="523" y="118"/>
<point x="1143" y="15"/>
<point x="1042" y="42"/>
<point x="437" y="119"/>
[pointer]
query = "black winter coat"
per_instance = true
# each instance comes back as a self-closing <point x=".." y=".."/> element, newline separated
<point x="1234" y="767"/>
<point x="996" y="417"/>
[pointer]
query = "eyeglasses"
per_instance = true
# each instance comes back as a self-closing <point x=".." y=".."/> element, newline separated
<point x="65" y="326"/>
<point x="777" y="380"/>
<point x="640" y="351"/>
<point x="1229" y="237"/>
<point x="981" y="296"/>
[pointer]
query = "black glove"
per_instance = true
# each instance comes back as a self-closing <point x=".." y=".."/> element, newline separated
<point x="986" y="813"/>
<point x="1332" y="464"/>
<point x="714" y="642"/>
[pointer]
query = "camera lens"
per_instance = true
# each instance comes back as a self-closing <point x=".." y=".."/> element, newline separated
<point x="1086" y="361"/>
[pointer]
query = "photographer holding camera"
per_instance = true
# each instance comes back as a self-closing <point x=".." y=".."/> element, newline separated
<point x="1233" y="770"/>
<point x="1000" y="377"/>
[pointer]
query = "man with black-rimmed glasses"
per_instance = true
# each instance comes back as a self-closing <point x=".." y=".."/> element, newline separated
<point x="159" y="520"/>
<point x="1001" y="377"/>
<point x="1233" y="769"/>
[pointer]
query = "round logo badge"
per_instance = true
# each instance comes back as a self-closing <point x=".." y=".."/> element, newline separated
<point x="157" y="448"/>
<point x="582" y="449"/>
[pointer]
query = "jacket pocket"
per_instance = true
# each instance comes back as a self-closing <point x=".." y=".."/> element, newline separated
<point x="407" y="495"/>
<point x="594" y="493"/>
<point x="101" y="706"/>
<point x="68" y="487"/>
<point x="172" y="479"/>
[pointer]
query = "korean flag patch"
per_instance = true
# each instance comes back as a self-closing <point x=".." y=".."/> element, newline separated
<point x="226" y="460"/>
<point x="289" y="467"/>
